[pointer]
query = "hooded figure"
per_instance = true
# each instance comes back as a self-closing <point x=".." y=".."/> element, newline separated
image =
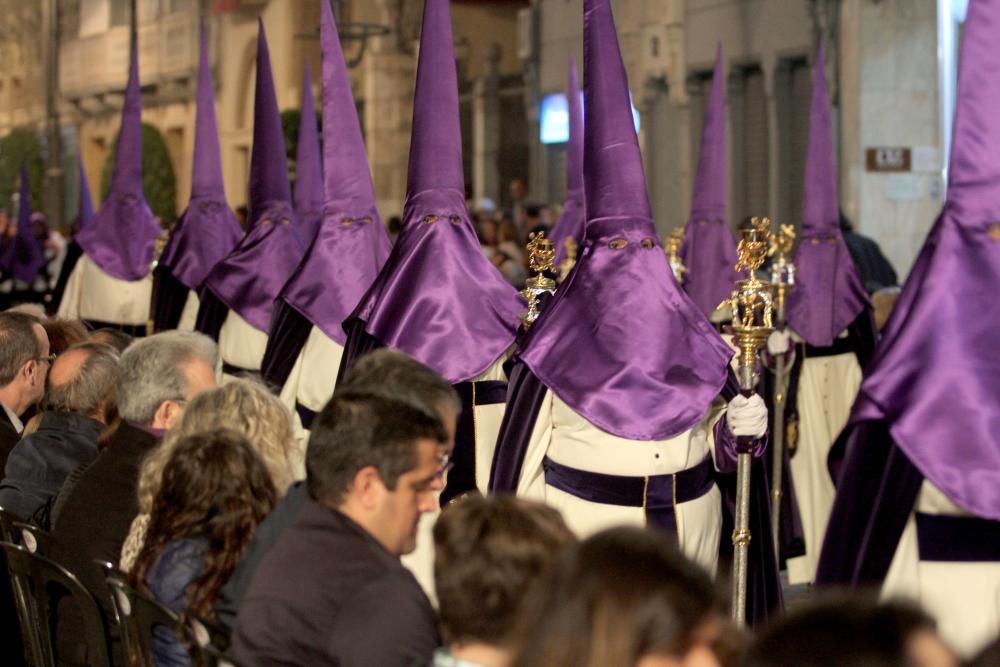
<point x="207" y="231"/>
<point x="614" y="409"/>
<point x="23" y="255"/>
<point x="307" y="335"/>
<point x="109" y="280"/>
<point x="570" y="223"/>
<point x="438" y="298"/>
<point x="238" y="295"/>
<point x="709" y="250"/>
<point x="308" y="166"/>
<point x="830" y="319"/>
<point x="918" y="499"/>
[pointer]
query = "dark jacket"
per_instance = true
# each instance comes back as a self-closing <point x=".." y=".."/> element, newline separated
<point x="180" y="563"/>
<point x="8" y="437"/>
<point x="329" y="594"/>
<point x="94" y="522"/>
<point x="264" y="538"/>
<point x="39" y="464"/>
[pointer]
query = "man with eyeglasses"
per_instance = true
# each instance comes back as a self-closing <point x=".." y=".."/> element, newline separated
<point x="24" y="364"/>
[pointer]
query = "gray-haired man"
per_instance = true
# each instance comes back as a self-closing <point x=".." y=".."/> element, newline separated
<point x="77" y="399"/>
<point x="156" y="377"/>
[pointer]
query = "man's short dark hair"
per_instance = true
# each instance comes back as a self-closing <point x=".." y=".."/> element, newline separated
<point x="357" y="430"/>
<point x="392" y="375"/>
<point x="91" y="387"/>
<point x="18" y="344"/>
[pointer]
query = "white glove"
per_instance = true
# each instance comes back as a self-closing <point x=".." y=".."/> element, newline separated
<point x="778" y="342"/>
<point x="747" y="416"/>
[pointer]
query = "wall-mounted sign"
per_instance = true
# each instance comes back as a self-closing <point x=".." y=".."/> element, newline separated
<point x="888" y="158"/>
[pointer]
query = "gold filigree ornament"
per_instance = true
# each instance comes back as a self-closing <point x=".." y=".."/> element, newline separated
<point x="751" y="303"/>
<point x="569" y="260"/>
<point x="672" y="247"/>
<point x="782" y="268"/>
<point x="541" y="258"/>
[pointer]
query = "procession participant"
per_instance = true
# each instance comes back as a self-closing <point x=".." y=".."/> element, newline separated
<point x="438" y="298"/>
<point x="238" y="295"/>
<point x="573" y="217"/>
<point x="70" y="252"/>
<point x="207" y="231"/>
<point x="830" y="319"/>
<point x="709" y="250"/>
<point x="614" y="410"/>
<point x="307" y="338"/>
<point x="917" y="508"/>
<point x="109" y="263"/>
<point x="22" y="257"/>
<point x="309" y="194"/>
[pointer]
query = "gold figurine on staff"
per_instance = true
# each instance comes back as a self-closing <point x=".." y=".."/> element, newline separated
<point x="541" y="258"/>
<point x="752" y="307"/>
<point x="672" y="247"/>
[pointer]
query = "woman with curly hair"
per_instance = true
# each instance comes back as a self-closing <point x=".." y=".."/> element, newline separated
<point x="214" y="491"/>
<point x="242" y="405"/>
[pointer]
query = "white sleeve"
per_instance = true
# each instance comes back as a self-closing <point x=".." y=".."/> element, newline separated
<point x="531" y="483"/>
<point x="69" y="307"/>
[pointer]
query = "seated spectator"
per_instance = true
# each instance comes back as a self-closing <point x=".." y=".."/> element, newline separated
<point x="156" y="378"/>
<point x="849" y="631"/>
<point x="489" y="552"/>
<point x="623" y="597"/>
<point x="214" y="491"/>
<point x="244" y="406"/>
<point x="386" y="373"/>
<point x="332" y="590"/>
<point x="64" y="334"/>
<point x="75" y="409"/>
<point x="24" y="363"/>
<point x="114" y="337"/>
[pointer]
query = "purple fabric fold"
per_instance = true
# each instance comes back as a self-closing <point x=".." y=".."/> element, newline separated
<point x="308" y="168"/>
<point x="121" y="236"/>
<point x="207" y="231"/>
<point x="85" y="205"/>
<point x="828" y="293"/>
<point x="709" y="250"/>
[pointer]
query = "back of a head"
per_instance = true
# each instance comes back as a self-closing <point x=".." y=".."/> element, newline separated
<point x="152" y="371"/>
<point x="89" y="390"/>
<point x="243" y="406"/>
<point x="64" y="334"/>
<point x="393" y="375"/>
<point x="489" y="552"/>
<point x="18" y="344"/>
<point x="842" y="631"/>
<point x="357" y="430"/>
<point x="616" y="597"/>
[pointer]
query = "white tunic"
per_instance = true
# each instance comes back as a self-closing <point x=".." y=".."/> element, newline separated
<point x="827" y="388"/>
<point x="963" y="597"/>
<point x="240" y="344"/>
<point x="91" y="294"/>
<point x="313" y="377"/>
<point x="569" y="439"/>
<point x="190" y="313"/>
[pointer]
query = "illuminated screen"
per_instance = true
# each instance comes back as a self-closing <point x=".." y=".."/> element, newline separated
<point x="554" y="118"/>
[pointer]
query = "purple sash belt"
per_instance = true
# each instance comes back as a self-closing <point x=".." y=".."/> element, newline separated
<point x="839" y="346"/>
<point x="657" y="495"/>
<point x="966" y="539"/>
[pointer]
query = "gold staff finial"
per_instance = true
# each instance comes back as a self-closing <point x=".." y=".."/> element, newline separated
<point x="569" y="261"/>
<point x="541" y="258"/>
<point x="672" y="246"/>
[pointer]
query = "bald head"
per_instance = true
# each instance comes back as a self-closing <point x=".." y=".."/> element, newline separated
<point x="82" y="380"/>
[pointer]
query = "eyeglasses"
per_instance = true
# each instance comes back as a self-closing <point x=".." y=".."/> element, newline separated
<point x="445" y="464"/>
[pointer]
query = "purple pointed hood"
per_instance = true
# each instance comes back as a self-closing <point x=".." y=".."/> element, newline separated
<point x="308" y="168"/>
<point x="570" y="224"/>
<point x="121" y="237"/>
<point x="709" y="250"/>
<point x="208" y="230"/>
<point x="24" y="256"/>
<point x="352" y="244"/>
<point x="438" y="298"/>
<point x="828" y="293"/>
<point x="935" y="377"/>
<point x="250" y="278"/>
<point x="85" y="205"/>
<point x="653" y="364"/>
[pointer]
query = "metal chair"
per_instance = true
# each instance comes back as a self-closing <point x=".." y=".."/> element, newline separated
<point x="7" y="521"/>
<point x="32" y="538"/>
<point x="39" y="584"/>
<point x="137" y="615"/>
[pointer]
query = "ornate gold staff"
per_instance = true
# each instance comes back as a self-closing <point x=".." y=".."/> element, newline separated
<point x="569" y="261"/>
<point x="782" y="279"/>
<point x="672" y="246"/>
<point x="541" y="255"/>
<point x="753" y="311"/>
